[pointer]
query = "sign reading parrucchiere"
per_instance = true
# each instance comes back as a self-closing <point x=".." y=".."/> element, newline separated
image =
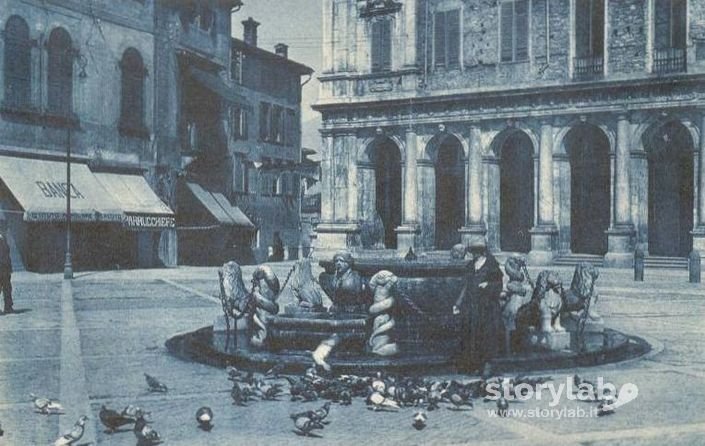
<point x="138" y="222"/>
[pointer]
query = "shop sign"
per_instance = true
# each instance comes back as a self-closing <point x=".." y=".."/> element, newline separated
<point x="149" y="222"/>
<point x="52" y="189"/>
<point x="48" y="217"/>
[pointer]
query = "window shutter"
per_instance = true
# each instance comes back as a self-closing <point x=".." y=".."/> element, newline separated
<point x="263" y="119"/>
<point x="243" y="128"/>
<point x="453" y="33"/>
<point x="582" y="28"/>
<point x="598" y="27"/>
<point x="439" y="39"/>
<point x="678" y="23"/>
<point x="17" y="62"/>
<point x="507" y="31"/>
<point x="521" y="30"/>
<point x="662" y="24"/>
<point x="376" y="46"/>
<point x="386" y="44"/>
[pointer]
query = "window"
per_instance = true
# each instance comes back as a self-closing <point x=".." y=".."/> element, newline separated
<point x="18" y="65"/>
<point x="132" y="97"/>
<point x="381" y="45"/>
<point x="669" y="35"/>
<point x="238" y="123"/>
<point x="514" y="30"/>
<point x="206" y="18"/>
<point x="264" y="121"/>
<point x="446" y="39"/>
<point x="198" y="15"/>
<point x="670" y="21"/>
<point x="236" y="66"/>
<point x="60" y="73"/>
<point x="589" y="28"/>
<point x="589" y="38"/>
<point x="275" y="130"/>
<point x="291" y="128"/>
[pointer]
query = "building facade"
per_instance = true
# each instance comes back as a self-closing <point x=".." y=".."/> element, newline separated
<point x="79" y="76"/>
<point x="548" y="127"/>
<point x="264" y="136"/>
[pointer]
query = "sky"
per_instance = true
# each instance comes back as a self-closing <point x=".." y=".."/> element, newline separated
<point x="296" y="23"/>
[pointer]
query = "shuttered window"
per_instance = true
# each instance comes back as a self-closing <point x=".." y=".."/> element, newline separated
<point x="670" y="24"/>
<point x="589" y="28"/>
<point x="132" y="95"/>
<point x="18" y="65"/>
<point x="264" y="121"/>
<point x="60" y="73"/>
<point x="381" y="45"/>
<point x="446" y="39"/>
<point x="514" y="30"/>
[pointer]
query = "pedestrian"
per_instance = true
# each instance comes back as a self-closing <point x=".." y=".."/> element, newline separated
<point x="5" y="274"/>
<point x="277" y="248"/>
<point x="479" y="307"/>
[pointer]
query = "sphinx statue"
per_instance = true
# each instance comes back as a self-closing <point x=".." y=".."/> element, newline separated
<point x="544" y="309"/>
<point x="304" y="287"/>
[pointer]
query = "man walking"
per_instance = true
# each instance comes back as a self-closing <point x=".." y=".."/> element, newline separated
<point x="5" y="274"/>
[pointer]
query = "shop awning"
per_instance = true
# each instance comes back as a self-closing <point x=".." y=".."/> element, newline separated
<point x="220" y="208"/>
<point x="215" y="84"/>
<point x="40" y="188"/>
<point x="234" y="212"/>
<point x="142" y="208"/>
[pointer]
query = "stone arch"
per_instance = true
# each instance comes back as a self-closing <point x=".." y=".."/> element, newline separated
<point x="585" y="188"/>
<point x="512" y="184"/>
<point x="669" y="146"/>
<point x="379" y="164"/>
<point x="656" y="120"/>
<point x="442" y="189"/>
<point x="559" y="139"/>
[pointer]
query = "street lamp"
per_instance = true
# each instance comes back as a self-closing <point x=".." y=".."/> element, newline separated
<point x="68" y="267"/>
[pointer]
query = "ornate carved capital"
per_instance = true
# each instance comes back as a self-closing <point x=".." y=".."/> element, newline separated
<point x="373" y="8"/>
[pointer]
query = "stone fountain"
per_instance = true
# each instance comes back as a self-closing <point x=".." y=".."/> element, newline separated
<point x="369" y="313"/>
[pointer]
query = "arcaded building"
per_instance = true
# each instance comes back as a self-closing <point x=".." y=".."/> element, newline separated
<point x="555" y="128"/>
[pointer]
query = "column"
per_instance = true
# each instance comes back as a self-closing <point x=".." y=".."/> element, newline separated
<point x="335" y="231"/>
<point x="620" y="252"/>
<point x="410" y="33"/>
<point x="699" y="230"/>
<point x="408" y="231"/>
<point x="351" y="147"/>
<point x="474" y="229"/>
<point x="544" y="232"/>
<point x="327" y="31"/>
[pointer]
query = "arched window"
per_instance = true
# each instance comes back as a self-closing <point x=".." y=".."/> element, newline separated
<point x="132" y="97"/>
<point x="18" y="65"/>
<point x="60" y="73"/>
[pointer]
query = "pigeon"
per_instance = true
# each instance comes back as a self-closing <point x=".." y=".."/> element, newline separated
<point x="457" y="400"/>
<point x="233" y="373"/>
<point x="345" y="398"/>
<point x="238" y="396"/>
<point x="270" y="392"/>
<point x="420" y="419"/>
<point x="204" y="416"/>
<point x="304" y="426"/>
<point x="273" y="373"/>
<point x="502" y="407"/>
<point x="377" y="402"/>
<point x="605" y="408"/>
<point x="133" y="412"/>
<point x="154" y="384"/>
<point x="74" y="435"/>
<point x="2" y="432"/>
<point x="113" y="420"/>
<point x="46" y="406"/>
<point x="146" y="436"/>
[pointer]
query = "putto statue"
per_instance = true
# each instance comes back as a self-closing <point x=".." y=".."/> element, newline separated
<point x="345" y="287"/>
<point x="517" y="292"/>
<point x="381" y="341"/>
<point x="262" y="301"/>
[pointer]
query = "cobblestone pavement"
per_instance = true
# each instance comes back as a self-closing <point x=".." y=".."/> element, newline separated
<point x="89" y="342"/>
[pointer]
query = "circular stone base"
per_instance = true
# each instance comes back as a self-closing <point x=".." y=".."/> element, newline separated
<point x="199" y="346"/>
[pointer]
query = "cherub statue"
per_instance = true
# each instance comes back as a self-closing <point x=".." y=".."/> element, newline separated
<point x="516" y="293"/>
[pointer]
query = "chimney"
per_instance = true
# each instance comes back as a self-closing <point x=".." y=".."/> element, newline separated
<point x="282" y="49"/>
<point x="250" y="27"/>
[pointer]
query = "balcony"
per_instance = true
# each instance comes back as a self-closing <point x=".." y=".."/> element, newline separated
<point x="590" y="67"/>
<point x="669" y="60"/>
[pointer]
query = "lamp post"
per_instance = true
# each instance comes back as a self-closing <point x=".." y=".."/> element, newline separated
<point x="68" y="267"/>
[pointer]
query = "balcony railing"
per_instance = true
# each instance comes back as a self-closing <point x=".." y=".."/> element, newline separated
<point x="590" y="67"/>
<point x="669" y="60"/>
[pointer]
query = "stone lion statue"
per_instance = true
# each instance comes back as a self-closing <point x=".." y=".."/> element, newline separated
<point x="582" y="290"/>
<point x="544" y="308"/>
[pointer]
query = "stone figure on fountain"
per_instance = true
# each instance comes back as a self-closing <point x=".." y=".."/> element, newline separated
<point x="381" y="341"/>
<point x="517" y="292"/>
<point x="307" y="292"/>
<point x="345" y="287"/>
<point x="578" y="301"/>
<point x="479" y="307"/>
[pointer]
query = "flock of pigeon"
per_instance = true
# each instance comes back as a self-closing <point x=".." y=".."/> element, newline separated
<point x="382" y="393"/>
